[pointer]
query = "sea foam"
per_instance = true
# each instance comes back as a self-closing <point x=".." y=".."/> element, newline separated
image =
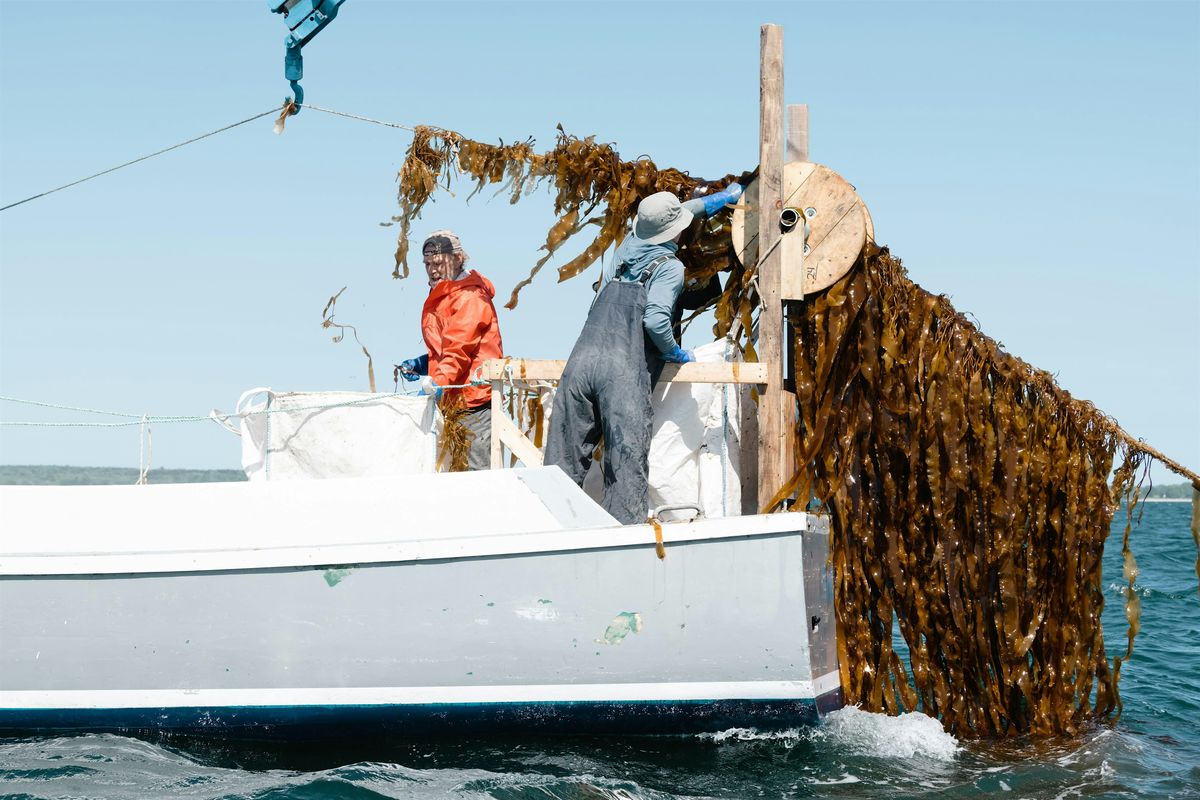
<point x="883" y="736"/>
<point x="790" y="735"/>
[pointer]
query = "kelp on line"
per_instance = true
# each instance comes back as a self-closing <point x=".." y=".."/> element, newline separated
<point x="968" y="493"/>
<point x="592" y="185"/>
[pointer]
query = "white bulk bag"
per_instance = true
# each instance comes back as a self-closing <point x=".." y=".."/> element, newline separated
<point x="695" y="445"/>
<point x="290" y="435"/>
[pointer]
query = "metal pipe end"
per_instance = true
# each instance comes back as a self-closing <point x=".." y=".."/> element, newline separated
<point x="789" y="217"/>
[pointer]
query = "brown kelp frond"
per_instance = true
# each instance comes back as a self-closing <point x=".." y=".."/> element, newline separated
<point x="428" y="161"/>
<point x="327" y="322"/>
<point x="592" y="185"/>
<point x="970" y="505"/>
<point x="496" y="163"/>
<point x="454" y="442"/>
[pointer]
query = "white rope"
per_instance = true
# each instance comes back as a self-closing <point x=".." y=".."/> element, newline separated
<point x="730" y="354"/>
<point x="67" y="408"/>
<point x="141" y="158"/>
<point x="267" y="438"/>
<point x="143" y="419"/>
<point x="145" y="451"/>
<point x="364" y="119"/>
<point x="205" y="136"/>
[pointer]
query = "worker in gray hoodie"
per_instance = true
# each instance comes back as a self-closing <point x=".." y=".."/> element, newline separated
<point x="605" y="387"/>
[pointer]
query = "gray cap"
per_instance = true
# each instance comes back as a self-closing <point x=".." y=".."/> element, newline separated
<point x="443" y="242"/>
<point x="660" y="217"/>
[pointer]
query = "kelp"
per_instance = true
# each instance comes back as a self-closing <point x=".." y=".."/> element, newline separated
<point x="968" y="493"/>
<point x="969" y="503"/>
<point x="432" y="149"/>
<point x="328" y="322"/>
<point x="454" y="440"/>
<point x="592" y="186"/>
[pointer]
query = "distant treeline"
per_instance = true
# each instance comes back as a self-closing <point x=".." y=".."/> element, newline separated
<point x="55" y="475"/>
<point x="1173" y="491"/>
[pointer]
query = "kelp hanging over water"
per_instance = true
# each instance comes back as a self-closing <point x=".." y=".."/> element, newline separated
<point x="969" y="494"/>
<point x="970" y="504"/>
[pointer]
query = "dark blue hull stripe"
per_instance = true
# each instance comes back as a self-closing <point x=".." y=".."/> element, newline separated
<point x="648" y="717"/>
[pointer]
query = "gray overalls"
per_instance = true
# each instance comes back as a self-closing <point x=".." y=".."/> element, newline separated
<point x="605" y="389"/>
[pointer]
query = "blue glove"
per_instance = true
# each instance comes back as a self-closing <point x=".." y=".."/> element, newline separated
<point x="679" y="356"/>
<point x="710" y="204"/>
<point x="414" y="368"/>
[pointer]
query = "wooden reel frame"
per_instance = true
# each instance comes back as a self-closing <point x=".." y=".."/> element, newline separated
<point x="839" y="227"/>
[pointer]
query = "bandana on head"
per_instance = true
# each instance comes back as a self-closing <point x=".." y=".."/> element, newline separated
<point x="443" y="242"/>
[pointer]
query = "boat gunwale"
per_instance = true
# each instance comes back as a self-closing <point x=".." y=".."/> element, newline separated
<point x="225" y="560"/>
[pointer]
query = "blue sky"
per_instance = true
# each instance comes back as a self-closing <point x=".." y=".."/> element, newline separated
<point x="1037" y="162"/>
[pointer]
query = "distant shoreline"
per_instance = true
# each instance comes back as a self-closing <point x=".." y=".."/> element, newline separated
<point x="64" y="475"/>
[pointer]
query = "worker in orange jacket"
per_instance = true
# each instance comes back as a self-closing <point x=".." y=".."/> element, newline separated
<point x="461" y="331"/>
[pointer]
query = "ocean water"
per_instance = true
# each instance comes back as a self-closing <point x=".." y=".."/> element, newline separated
<point x="1152" y="751"/>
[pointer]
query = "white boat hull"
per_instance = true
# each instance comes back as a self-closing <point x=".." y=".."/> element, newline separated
<point x="576" y="628"/>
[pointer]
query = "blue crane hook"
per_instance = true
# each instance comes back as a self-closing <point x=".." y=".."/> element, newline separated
<point x="304" y="19"/>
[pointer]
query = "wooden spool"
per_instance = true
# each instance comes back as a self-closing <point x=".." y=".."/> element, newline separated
<point x="839" y="227"/>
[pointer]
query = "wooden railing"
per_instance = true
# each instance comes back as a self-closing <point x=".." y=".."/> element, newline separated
<point x="518" y="372"/>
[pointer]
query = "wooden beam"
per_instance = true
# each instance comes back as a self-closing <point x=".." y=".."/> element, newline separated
<point x="776" y="408"/>
<point x="797" y="132"/>
<point x="716" y="372"/>
<point x="791" y="244"/>
<point x="497" y="414"/>
<point x="496" y="369"/>
<point x="791" y="252"/>
<point x="522" y="369"/>
<point x="511" y="436"/>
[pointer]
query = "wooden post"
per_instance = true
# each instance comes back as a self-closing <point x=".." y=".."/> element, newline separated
<point x="797" y="132"/>
<point x="497" y="456"/>
<point x="791" y="253"/>
<point x="776" y="408"/>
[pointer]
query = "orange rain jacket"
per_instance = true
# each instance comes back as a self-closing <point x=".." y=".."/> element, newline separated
<point x="461" y="332"/>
